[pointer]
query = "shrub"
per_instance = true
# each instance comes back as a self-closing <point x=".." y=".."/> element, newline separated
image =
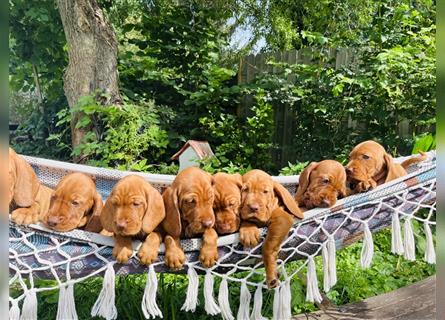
<point x="124" y="136"/>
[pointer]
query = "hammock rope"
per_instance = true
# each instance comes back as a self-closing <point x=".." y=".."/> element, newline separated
<point x="36" y="252"/>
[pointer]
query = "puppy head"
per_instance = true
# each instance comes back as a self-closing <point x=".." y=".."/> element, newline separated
<point x="73" y="203"/>
<point x="366" y="160"/>
<point x="369" y="160"/>
<point x="133" y="206"/>
<point x="23" y="182"/>
<point x="227" y="202"/>
<point x="321" y="183"/>
<point x="189" y="203"/>
<point x="260" y="195"/>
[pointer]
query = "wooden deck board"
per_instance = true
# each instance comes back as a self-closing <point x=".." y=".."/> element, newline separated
<point x="414" y="302"/>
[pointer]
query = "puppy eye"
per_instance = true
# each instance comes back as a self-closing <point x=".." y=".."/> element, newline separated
<point x="190" y="200"/>
<point x="136" y="204"/>
<point x="266" y="191"/>
<point x="365" y="156"/>
<point x="325" y="181"/>
<point x="75" y="203"/>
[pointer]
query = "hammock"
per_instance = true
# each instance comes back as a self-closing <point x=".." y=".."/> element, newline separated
<point x="72" y="257"/>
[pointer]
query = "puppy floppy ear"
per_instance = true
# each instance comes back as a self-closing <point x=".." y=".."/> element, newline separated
<point x="304" y="181"/>
<point x="393" y="171"/>
<point x="155" y="212"/>
<point x="172" y="221"/>
<point x="287" y="200"/>
<point x="26" y="184"/>
<point x="94" y="223"/>
<point x="106" y="216"/>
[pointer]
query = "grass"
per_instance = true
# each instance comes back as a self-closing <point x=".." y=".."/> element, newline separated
<point x="388" y="272"/>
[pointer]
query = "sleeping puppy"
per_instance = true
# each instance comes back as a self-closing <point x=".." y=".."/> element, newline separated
<point x="189" y="212"/>
<point x="369" y="166"/>
<point x="227" y="202"/>
<point x="27" y="196"/>
<point x="321" y="184"/>
<point x="133" y="210"/>
<point x="75" y="203"/>
<point x="265" y="202"/>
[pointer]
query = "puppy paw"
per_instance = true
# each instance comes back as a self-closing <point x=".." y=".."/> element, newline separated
<point x="273" y="281"/>
<point x="24" y="216"/>
<point x="174" y="258"/>
<point x="147" y="254"/>
<point x="364" y="186"/>
<point x="249" y="236"/>
<point x="122" y="254"/>
<point x="208" y="256"/>
<point x="106" y="233"/>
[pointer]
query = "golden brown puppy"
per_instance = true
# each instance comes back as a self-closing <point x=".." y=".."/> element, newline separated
<point x="321" y="184"/>
<point x="75" y="203"/>
<point x="189" y="212"/>
<point x="227" y="202"/>
<point x="25" y="191"/>
<point x="369" y="166"/>
<point x="134" y="209"/>
<point x="265" y="202"/>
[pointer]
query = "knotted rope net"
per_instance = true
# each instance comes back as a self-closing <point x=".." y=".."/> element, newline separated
<point x="36" y="252"/>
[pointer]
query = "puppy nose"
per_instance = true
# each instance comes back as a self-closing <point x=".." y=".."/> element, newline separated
<point x="207" y="223"/>
<point x="254" y="207"/>
<point x="349" y="170"/>
<point x="53" y="221"/>
<point x="121" y="225"/>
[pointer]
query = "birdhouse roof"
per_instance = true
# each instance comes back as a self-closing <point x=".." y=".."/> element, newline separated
<point x="202" y="149"/>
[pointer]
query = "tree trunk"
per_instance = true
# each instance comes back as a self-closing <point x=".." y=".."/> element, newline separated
<point x="92" y="53"/>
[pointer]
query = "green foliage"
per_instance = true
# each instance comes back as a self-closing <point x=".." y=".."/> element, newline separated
<point x="425" y="142"/>
<point x="246" y="142"/>
<point x="293" y="169"/>
<point x="392" y="82"/>
<point x="125" y="136"/>
<point x="36" y="61"/>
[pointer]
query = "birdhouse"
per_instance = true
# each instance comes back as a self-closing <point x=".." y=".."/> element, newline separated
<point x="191" y="153"/>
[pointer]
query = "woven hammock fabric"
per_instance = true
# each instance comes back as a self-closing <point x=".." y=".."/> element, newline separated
<point x="71" y="257"/>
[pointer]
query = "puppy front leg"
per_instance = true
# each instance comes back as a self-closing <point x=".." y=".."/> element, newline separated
<point x="174" y="256"/>
<point x="122" y="250"/>
<point x="26" y="215"/>
<point x="148" y="252"/>
<point x="209" y="250"/>
<point x="278" y="229"/>
<point x="249" y="234"/>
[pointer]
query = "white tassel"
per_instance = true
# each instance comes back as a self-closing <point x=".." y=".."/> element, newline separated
<point x="149" y="305"/>
<point x="66" y="308"/>
<point x="14" y="311"/>
<point x="329" y="264"/>
<point x="257" y="304"/>
<point x="367" y="248"/>
<point x="105" y="303"/>
<point x="192" y="290"/>
<point x="276" y="304"/>
<point x="244" y="302"/>
<point x="29" y="309"/>
<point x="210" y="305"/>
<point x="430" y="254"/>
<point x="285" y="301"/>
<point x="410" y="249"/>
<point x="312" y="292"/>
<point x="396" y="235"/>
<point x="223" y="300"/>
